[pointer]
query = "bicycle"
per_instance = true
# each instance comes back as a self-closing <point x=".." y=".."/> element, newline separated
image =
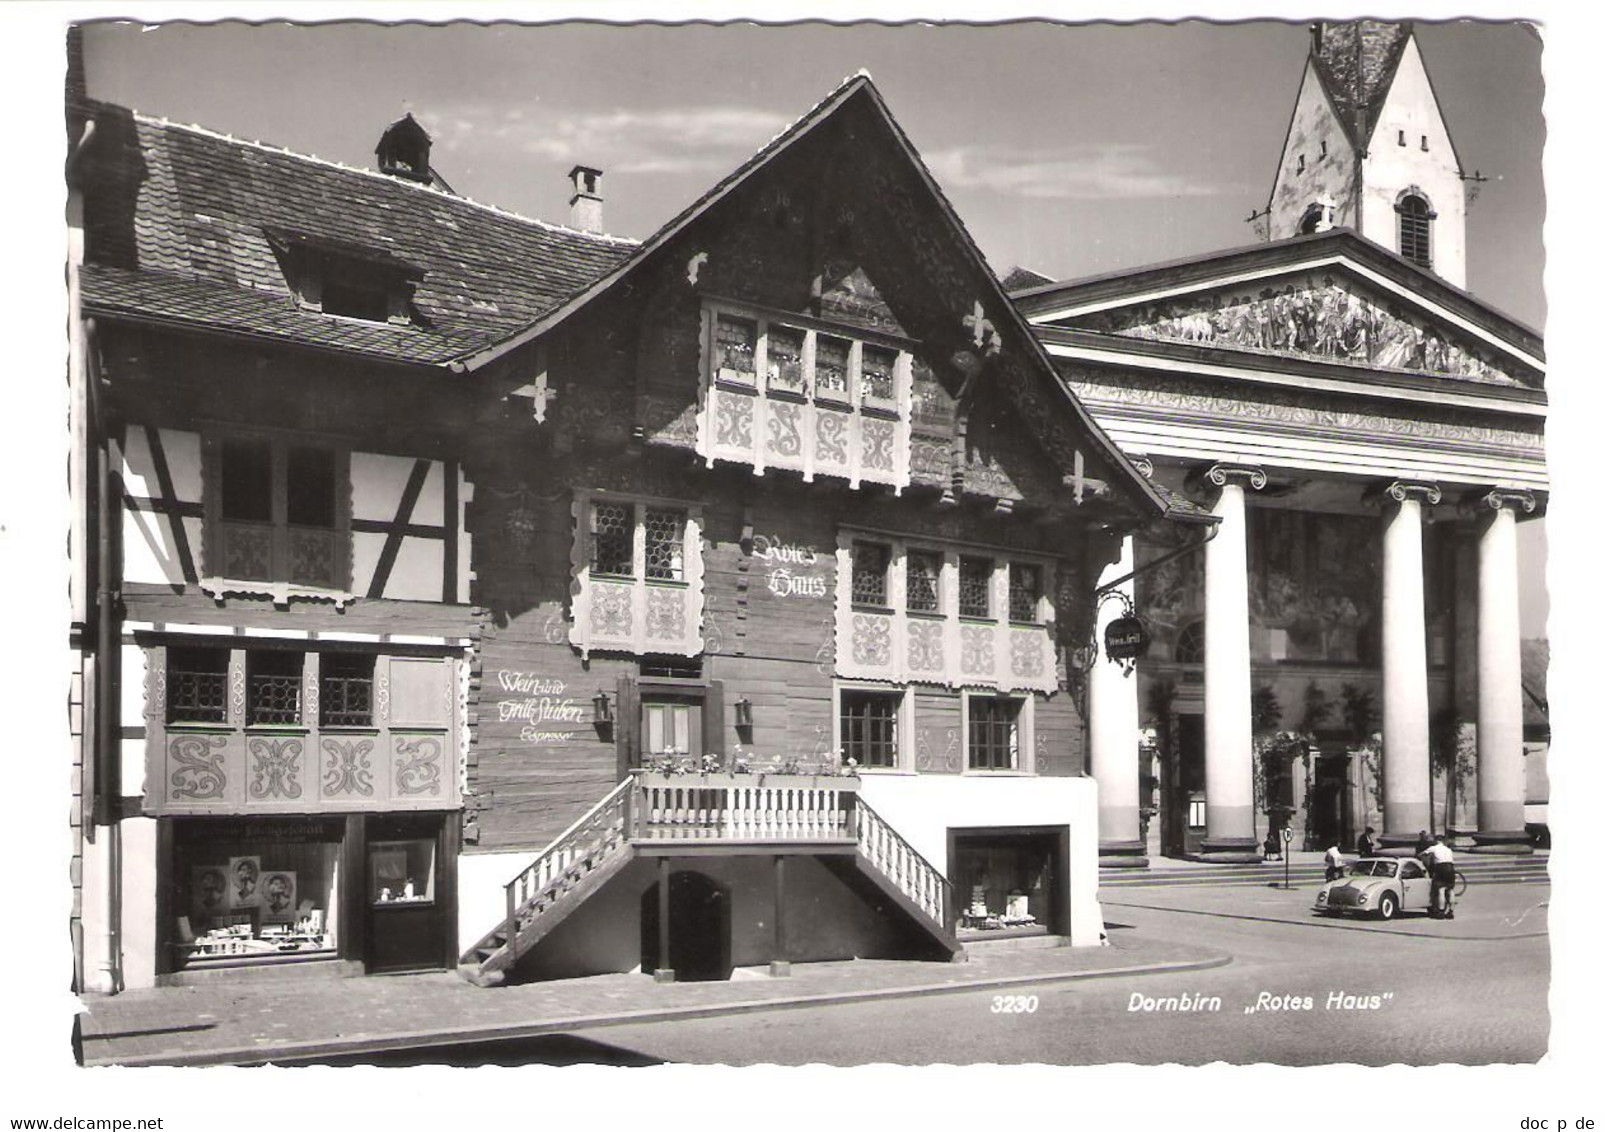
<point x="1459" y="888"/>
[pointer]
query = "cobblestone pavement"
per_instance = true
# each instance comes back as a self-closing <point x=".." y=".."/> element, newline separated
<point x="254" y="1022"/>
<point x="1456" y="995"/>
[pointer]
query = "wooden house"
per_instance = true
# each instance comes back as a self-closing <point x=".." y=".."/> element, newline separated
<point x="722" y="599"/>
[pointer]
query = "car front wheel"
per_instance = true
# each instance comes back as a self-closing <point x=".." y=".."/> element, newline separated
<point x="1388" y="906"/>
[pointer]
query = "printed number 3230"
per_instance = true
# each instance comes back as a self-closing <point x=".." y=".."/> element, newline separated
<point x="1014" y="1004"/>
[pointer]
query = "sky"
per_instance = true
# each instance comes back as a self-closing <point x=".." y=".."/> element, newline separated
<point x="1070" y="149"/>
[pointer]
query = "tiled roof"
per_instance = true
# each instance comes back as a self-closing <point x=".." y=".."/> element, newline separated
<point x="1356" y="60"/>
<point x="1020" y="278"/>
<point x="178" y="221"/>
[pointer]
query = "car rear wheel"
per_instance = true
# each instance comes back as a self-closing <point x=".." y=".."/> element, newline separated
<point x="1388" y="906"/>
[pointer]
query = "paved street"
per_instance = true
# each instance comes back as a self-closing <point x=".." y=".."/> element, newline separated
<point x="1472" y="990"/>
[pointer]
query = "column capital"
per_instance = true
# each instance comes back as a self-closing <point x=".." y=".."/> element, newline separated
<point x="1224" y="472"/>
<point x="1398" y="491"/>
<point x="1481" y="502"/>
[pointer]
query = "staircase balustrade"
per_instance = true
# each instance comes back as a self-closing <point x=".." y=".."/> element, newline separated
<point x="902" y="864"/>
<point x="655" y="808"/>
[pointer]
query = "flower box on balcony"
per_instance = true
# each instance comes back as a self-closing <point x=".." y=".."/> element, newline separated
<point x="725" y="780"/>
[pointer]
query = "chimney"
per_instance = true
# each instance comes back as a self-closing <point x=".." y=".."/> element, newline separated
<point x="585" y="206"/>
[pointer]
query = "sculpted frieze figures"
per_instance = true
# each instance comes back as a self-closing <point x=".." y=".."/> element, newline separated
<point x="1307" y="316"/>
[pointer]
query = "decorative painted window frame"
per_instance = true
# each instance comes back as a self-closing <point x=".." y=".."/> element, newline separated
<point x="757" y="450"/>
<point x="896" y="646"/>
<point x="635" y="595"/>
<point x="279" y="587"/>
<point x="1028" y="723"/>
<point x="905" y="722"/>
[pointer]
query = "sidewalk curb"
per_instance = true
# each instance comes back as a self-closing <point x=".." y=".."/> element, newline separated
<point x="1338" y="924"/>
<point x="293" y="1052"/>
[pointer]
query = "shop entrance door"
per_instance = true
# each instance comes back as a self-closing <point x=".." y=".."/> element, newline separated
<point x="404" y="901"/>
<point x="699" y="929"/>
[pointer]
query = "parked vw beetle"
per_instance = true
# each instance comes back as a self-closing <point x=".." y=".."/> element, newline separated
<point x="1378" y="886"/>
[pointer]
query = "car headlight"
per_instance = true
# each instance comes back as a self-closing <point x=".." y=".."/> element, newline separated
<point x="1320" y="897"/>
<point x="1364" y="897"/>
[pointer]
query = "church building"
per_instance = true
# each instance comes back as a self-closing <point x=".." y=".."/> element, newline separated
<point x="1345" y="649"/>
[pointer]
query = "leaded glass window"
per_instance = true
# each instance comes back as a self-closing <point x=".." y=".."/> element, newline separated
<point x="830" y="367"/>
<point x="345" y="690"/>
<point x="197" y="685"/>
<point x="736" y="341"/>
<point x="785" y="359"/>
<point x="273" y="687"/>
<point x="877" y="366"/>
<point x="665" y="544"/>
<point x="1025" y="588"/>
<point x="924" y="582"/>
<point x="613" y="539"/>
<point x="870" y="562"/>
<point x="975" y="587"/>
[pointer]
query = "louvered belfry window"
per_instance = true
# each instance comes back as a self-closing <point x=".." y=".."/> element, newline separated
<point x="1415" y="231"/>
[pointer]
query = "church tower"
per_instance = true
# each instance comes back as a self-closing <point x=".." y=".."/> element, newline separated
<point x="1368" y="149"/>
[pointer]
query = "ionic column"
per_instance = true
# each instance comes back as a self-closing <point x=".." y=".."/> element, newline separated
<point x="1228" y="723"/>
<point x="1501" y="776"/>
<point x="1406" y="755"/>
<point x="1112" y="706"/>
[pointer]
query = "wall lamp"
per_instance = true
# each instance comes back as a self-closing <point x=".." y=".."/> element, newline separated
<point x="601" y="708"/>
<point x="744" y="712"/>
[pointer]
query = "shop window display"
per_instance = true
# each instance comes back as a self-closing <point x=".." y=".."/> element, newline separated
<point x="1004" y="883"/>
<point x="254" y="891"/>
<point x="401" y="872"/>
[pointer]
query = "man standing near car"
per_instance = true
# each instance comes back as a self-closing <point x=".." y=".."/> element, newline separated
<point x="1440" y="862"/>
<point x="1334" y="863"/>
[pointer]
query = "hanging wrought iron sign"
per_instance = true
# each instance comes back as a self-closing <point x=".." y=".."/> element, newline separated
<point x="1125" y="638"/>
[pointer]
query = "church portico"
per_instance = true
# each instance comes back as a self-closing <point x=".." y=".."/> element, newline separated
<point x="1406" y="769"/>
<point x="1501" y="827"/>
<point x="1228" y="726"/>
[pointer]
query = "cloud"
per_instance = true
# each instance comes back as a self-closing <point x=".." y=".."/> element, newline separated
<point x="667" y="140"/>
<point x="1078" y="172"/>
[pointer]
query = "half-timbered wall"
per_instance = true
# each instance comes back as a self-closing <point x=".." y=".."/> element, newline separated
<point x="401" y="523"/>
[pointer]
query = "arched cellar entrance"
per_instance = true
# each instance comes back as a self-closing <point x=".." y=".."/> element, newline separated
<point x="699" y="928"/>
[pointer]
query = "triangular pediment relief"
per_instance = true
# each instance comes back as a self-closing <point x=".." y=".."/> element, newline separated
<point x="1322" y="314"/>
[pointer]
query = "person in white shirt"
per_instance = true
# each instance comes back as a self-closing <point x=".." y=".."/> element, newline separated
<point x="1334" y="863"/>
<point x="1440" y="862"/>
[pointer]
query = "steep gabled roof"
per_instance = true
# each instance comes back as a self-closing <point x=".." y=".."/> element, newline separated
<point x="856" y="87"/>
<point x="181" y="223"/>
<point x="1356" y="61"/>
